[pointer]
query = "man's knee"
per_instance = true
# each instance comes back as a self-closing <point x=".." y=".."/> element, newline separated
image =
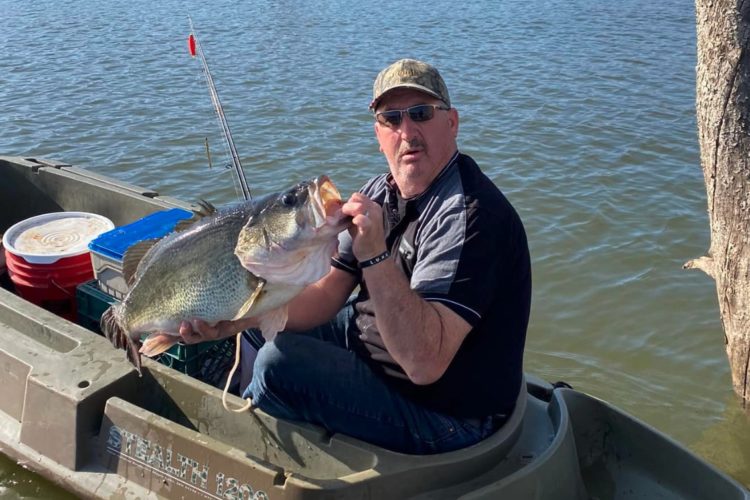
<point x="277" y="359"/>
<point x="279" y="375"/>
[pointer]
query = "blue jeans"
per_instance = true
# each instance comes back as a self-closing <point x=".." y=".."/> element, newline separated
<point x="314" y="377"/>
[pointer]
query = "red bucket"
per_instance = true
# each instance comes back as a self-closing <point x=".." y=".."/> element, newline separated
<point x="47" y="258"/>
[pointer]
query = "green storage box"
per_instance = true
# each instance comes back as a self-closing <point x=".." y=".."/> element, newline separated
<point x="91" y="303"/>
<point x="206" y="361"/>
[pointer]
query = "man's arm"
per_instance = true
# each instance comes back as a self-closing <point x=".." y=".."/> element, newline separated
<point x="315" y="305"/>
<point x="320" y="301"/>
<point x="423" y="337"/>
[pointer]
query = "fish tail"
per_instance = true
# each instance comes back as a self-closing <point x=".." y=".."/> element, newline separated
<point x="110" y="324"/>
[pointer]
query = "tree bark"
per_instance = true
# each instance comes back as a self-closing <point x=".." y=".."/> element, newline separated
<point x="723" y="110"/>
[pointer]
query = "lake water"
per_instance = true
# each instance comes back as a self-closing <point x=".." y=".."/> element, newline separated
<point x="581" y="111"/>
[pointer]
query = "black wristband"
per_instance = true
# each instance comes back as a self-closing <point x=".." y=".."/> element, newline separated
<point x="375" y="260"/>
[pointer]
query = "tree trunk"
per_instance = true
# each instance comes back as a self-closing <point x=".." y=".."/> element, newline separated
<point x="723" y="111"/>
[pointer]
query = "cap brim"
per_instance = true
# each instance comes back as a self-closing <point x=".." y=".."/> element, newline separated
<point x="374" y="103"/>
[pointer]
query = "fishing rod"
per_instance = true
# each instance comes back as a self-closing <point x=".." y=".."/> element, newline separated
<point x="195" y="48"/>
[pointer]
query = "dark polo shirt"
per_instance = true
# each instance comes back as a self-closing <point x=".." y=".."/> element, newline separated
<point x="460" y="243"/>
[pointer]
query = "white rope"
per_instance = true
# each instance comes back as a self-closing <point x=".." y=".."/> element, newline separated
<point x="229" y="381"/>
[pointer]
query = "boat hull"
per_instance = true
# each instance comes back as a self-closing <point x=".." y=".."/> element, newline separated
<point x="75" y="411"/>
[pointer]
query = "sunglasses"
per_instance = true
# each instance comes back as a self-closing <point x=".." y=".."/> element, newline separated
<point x="418" y="113"/>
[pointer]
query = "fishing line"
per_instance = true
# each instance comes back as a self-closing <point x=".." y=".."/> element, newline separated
<point x="208" y="155"/>
<point x="222" y="155"/>
<point x="196" y="48"/>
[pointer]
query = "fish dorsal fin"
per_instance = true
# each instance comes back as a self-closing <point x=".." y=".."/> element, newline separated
<point x="135" y="253"/>
<point x="184" y="224"/>
<point x="133" y="256"/>
<point x="205" y="208"/>
<point x="202" y="209"/>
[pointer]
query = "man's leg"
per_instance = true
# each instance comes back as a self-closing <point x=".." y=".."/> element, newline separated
<point x="301" y="377"/>
<point x="334" y="331"/>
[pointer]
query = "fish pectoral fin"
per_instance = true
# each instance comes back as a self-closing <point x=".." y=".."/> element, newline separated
<point x="157" y="343"/>
<point x="273" y="321"/>
<point x="249" y="303"/>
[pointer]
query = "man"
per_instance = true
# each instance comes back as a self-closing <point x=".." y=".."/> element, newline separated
<point x="428" y="357"/>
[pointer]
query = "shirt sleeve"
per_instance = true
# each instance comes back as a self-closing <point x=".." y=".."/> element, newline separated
<point x="459" y="252"/>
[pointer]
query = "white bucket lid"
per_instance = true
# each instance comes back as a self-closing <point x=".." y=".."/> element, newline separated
<point x="47" y="238"/>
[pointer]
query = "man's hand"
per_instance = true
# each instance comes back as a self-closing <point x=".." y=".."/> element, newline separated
<point x="195" y="331"/>
<point x="368" y="238"/>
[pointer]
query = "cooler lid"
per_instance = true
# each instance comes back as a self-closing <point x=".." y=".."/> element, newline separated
<point x="114" y="243"/>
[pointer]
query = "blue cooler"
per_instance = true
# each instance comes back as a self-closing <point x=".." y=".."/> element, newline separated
<point x="108" y="249"/>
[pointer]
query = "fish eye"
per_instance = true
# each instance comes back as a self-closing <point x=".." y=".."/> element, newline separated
<point x="289" y="199"/>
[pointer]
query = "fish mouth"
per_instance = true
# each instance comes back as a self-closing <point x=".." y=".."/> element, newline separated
<point x="326" y="202"/>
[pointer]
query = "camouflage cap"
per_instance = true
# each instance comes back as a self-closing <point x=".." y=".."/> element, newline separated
<point x="409" y="73"/>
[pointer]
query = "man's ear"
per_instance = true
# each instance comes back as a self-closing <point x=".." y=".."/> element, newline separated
<point x="377" y="135"/>
<point x="453" y="120"/>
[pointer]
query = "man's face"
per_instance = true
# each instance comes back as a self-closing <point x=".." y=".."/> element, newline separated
<point x="416" y="151"/>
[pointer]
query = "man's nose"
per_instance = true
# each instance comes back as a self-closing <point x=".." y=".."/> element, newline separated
<point x="408" y="127"/>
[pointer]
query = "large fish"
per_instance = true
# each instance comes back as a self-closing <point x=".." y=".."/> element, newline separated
<point x="247" y="260"/>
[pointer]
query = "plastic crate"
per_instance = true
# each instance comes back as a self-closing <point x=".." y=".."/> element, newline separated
<point x="108" y="249"/>
<point x="207" y="361"/>
<point x="91" y="303"/>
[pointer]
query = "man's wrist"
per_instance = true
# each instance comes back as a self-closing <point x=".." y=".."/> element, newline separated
<point x="375" y="260"/>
